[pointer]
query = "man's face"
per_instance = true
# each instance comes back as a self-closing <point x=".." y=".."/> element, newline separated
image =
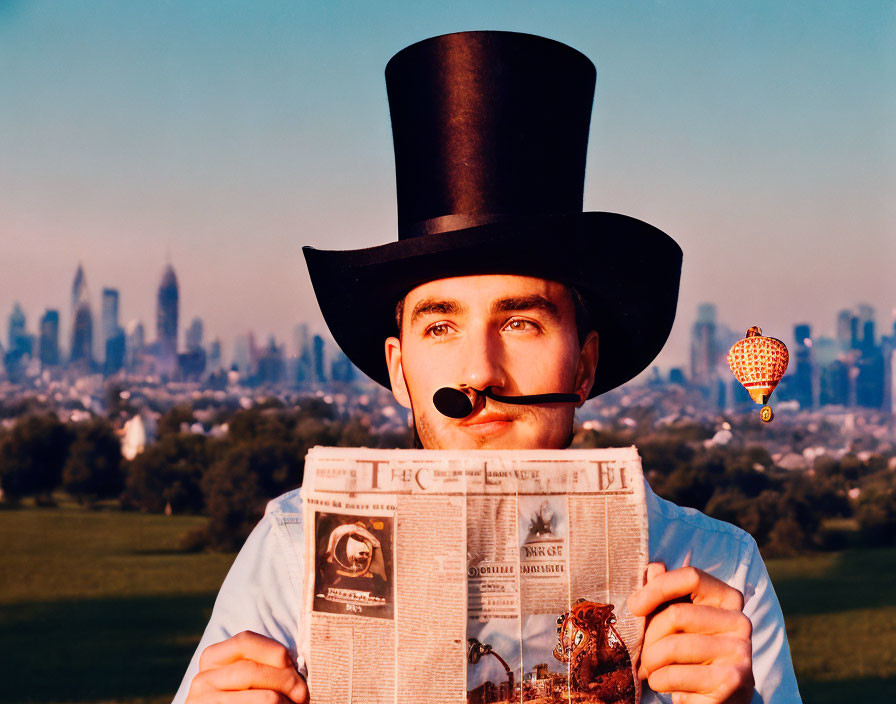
<point x="516" y="334"/>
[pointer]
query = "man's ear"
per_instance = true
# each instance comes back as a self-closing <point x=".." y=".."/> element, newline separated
<point x="396" y="373"/>
<point x="587" y="366"/>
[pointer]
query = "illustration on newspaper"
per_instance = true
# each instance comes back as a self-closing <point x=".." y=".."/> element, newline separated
<point x="473" y="576"/>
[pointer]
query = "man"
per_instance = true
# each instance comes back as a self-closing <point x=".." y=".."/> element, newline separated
<point x="499" y="281"/>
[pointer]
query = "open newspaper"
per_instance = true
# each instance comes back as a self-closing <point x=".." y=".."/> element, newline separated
<point x="473" y="576"/>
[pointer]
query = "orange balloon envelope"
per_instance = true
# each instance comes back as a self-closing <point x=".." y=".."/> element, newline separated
<point x="758" y="363"/>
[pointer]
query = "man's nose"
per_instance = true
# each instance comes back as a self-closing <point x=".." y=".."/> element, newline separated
<point x="483" y="361"/>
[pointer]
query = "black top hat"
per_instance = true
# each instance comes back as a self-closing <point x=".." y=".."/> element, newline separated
<point x="490" y="133"/>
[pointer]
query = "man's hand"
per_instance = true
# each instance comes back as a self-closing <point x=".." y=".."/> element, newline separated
<point x="701" y="652"/>
<point x="250" y="669"/>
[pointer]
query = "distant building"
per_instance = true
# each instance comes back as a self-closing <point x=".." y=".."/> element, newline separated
<point x="318" y="360"/>
<point x="21" y="345"/>
<point x="166" y="322"/>
<point x="110" y="326"/>
<point x="215" y="361"/>
<point x="116" y="352"/>
<point x="49" y="339"/>
<point x="801" y="379"/>
<point x="301" y="339"/>
<point x="271" y="364"/>
<point x="704" y="349"/>
<point x="81" y="347"/>
<point x="242" y="355"/>
<point x="192" y="363"/>
<point x="17" y="324"/>
<point x="341" y="368"/>
<point x="833" y="386"/>
<point x="868" y="337"/>
<point x="865" y="313"/>
<point x="676" y="376"/>
<point x="844" y="328"/>
<point x="82" y="337"/>
<point x="134" y="342"/>
<point x="892" y="384"/>
<point x="854" y="332"/>
<point x="870" y="378"/>
<point x="79" y="287"/>
<point x="194" y="335"/>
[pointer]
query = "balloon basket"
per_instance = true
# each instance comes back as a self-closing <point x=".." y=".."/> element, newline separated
<point x="766" y="414"/>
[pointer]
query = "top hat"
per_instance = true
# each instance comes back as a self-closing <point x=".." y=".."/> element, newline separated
<point x="490" y="132"/>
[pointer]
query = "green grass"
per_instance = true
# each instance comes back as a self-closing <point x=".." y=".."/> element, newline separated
<point x="99" y="606"/>
<point x="840" y="610"/>
<point x="102" y="607"/>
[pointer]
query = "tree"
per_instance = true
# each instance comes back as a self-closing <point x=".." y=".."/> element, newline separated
<point x="170" y="422"/>
<point x="169" y="474"/>
<point x="239" y="485"/>
<point x="93" y="468"/>
<point x="32" y="456"/>
<point x="876" y="514"/>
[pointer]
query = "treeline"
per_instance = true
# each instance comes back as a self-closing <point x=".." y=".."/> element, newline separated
<point x="230" y="479"/>
<point x="787" y="512"/>
<point x="41" y="455"/>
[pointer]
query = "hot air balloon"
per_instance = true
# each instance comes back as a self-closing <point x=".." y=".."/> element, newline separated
<point x="759" y="363"/>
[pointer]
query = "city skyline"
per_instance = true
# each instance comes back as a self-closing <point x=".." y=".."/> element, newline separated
<point x="758" y="136"/>
<point x="104" y="322"/>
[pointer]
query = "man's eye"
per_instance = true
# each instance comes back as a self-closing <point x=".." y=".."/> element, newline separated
<point x="438" y="330"/>
<point x="521" y="325"/>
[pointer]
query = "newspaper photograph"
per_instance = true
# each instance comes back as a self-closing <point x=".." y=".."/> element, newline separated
<point x="473" y="576"/>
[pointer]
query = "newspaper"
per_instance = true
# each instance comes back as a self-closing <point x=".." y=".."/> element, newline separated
<point x="473" y="576"/>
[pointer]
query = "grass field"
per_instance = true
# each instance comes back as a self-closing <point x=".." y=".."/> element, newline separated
<point x="101" y="607"/>
<point x="840" y="610"/>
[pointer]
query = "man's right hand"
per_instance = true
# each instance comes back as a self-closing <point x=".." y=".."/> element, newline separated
<point x="247" y="668"/>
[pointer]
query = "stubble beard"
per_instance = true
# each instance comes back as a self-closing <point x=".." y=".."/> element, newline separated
<point x="432" y="436"/>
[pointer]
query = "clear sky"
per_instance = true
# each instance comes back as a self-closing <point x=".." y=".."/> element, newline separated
<point x="760" y="135"/>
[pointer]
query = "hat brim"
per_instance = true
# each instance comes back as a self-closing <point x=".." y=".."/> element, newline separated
<point x="627" y="271"/>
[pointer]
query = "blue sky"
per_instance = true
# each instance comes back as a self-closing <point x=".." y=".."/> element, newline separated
<point x="759" y="135"/>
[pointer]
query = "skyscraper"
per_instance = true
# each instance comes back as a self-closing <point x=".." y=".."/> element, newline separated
<point x="801" y="385"/>
<point x="167" y="310"/>
<point x="704" y="352"/>
<point x="271" y="365"/>
<point x="214" y="356"/>
<point x="79" y="288"/>
<point x="866" y="313"/>
<point x="242" y="355"/>
<point x="17" y="335"/>
<point x="320" y="373"/>
<point x="81" y="349"/>
<point x="49" y="338"/>
<point x="21" y="345"/>
<point x="844" y="326"/>
<point x="341" y="368"/>
<point x="82" y="336"/>
<point x="116" y="351"/>
<point x="891" y="362"/>
<point x="166" y="322"/>
<point x="194" y="335"/>
<point x="110" y="314"/>
<point x="302" y="341"/>
<point x="134" y="342"/>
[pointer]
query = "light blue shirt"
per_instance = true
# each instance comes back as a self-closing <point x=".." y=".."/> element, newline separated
<point x="262" y="590"/>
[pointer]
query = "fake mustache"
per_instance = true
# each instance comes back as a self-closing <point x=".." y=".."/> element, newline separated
<point x="458" y="403"/>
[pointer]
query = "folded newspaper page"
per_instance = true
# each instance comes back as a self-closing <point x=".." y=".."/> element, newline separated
<point x="473" y="576"/>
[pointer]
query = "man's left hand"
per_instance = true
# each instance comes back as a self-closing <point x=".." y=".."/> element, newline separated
<point x="702" y="651"/>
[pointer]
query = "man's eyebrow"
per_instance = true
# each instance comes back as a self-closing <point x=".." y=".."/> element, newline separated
<point x="437" y="306"/>
<point x="534" y="301"/>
